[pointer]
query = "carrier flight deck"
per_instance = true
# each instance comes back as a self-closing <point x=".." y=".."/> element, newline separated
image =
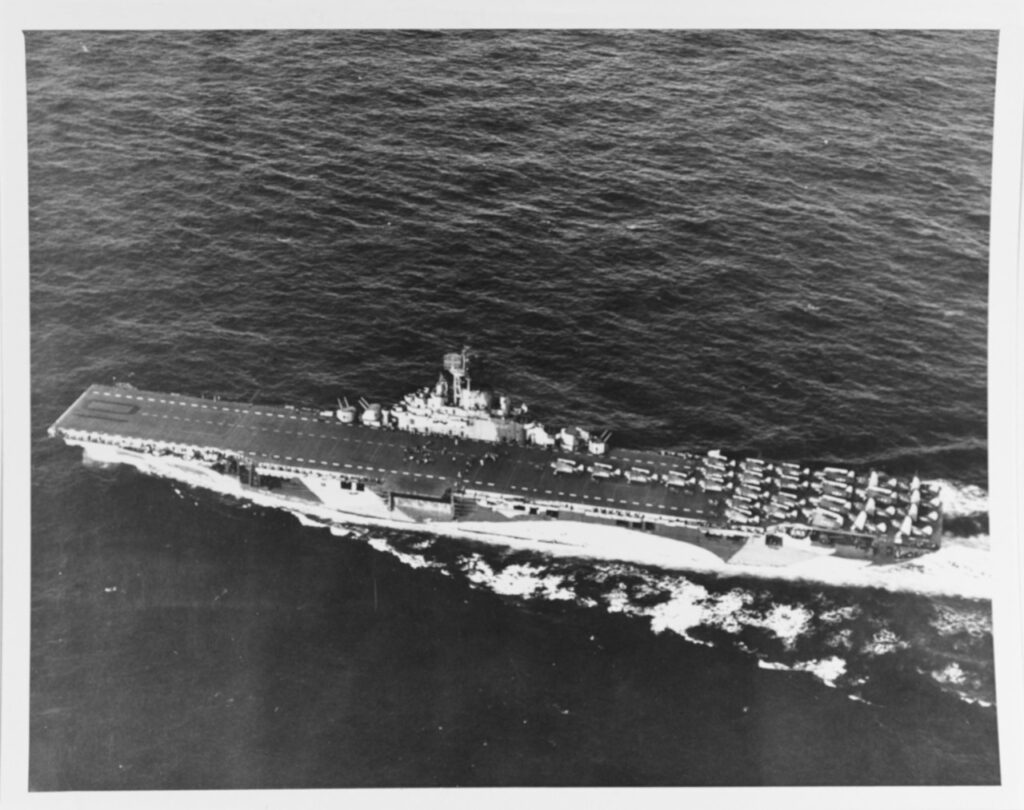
<point x="452" y="452"/>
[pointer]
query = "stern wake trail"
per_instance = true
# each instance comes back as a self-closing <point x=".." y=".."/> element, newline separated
<point x="961" y="500"/>
<point x="843" y="646"/>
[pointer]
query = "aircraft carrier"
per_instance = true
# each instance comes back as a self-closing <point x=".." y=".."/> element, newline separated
<point x="454" y="454"/>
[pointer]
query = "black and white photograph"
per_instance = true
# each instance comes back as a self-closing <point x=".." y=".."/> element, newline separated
<point x="513" y="407"/>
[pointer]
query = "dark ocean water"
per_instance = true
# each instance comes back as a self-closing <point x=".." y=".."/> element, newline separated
<point x="767" y="241"/>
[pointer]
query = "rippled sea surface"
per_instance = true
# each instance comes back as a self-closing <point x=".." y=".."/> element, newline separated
<point x="771" y="242"/>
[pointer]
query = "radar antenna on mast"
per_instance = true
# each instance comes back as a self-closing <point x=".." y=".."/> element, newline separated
<point x="457" y="364"/>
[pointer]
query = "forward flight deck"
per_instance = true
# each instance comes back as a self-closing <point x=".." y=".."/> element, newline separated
<point x="404" y="463"/>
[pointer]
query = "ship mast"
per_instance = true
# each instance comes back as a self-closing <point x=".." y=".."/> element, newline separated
<point x="457" y="364"/>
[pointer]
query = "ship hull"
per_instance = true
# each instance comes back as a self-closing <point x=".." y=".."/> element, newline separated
<point x="686" y="549"/>
<point x="297" y="460"/>
<point x="366" y="509"/>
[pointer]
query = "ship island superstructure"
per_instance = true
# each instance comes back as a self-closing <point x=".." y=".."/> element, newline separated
<point x="452" y="453"/>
